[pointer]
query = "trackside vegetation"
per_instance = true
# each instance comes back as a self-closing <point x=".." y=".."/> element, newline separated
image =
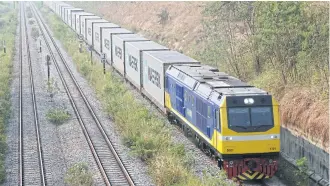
<point x="142" y="131"/>
<point x="8" y="23"/>
<point x="79" y="175"/>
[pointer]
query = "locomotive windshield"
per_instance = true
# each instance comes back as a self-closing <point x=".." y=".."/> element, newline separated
<point x="250" y="118"/>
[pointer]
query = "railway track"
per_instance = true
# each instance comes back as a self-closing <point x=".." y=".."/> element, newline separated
<point x="31" y="163"/>
<point x="111" y="167"/>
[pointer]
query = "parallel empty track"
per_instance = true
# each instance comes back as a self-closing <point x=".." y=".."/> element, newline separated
<point x="108" y="161"/>
<point x="31" y="165"/>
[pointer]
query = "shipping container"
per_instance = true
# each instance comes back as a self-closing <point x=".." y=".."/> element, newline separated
<point x="97" y="28"/>
<point x="107" y="39"/>
<point x="83" y="24"/>
<point x="69" y="15"/>
<point x="90" y="26"/>
<point x="133" y="58"/>
<point x="154" y="66"/>
<point x="63" y="8"/>
<point x="64" y="14"/>
<point x="76" y="20"/>
<point x="118" y="49"/>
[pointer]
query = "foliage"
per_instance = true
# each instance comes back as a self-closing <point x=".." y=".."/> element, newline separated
<point x="58" y="115"/>
<point x="79" y="175"/>
<point x="163" y="16"/>
<point x="7" y="33"/>
<point x="31" y="21"/>
<point x="142" y="131"/>
<point x="301" y="172"/>
<point x="249" y="39"/>
<point x="35" y="33"/>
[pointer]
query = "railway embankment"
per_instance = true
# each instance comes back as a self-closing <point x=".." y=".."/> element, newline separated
<point x="170" y="157"/>
<point x="304" y="106"/>
<point x="8" y="28"/>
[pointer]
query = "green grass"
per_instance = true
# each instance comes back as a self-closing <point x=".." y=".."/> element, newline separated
<point x="79" y="175"/>
<point x="142" y="131"/>
<point x="8" y="18"/>
<point x="57" y="116"/>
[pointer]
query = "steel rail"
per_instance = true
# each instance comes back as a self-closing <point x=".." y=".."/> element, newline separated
<point x="35" y="110"/>
<point x="81" y="122"/>
<point x="99" y="125"/>
<point x="20" y="129"/>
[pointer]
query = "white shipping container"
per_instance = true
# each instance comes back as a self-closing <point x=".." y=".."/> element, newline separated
<point x="77" y="20"/>
<point x="118" y="49"/>
<point x="107" y="39"/>
<point x="90" y="26"/>
<point x="83" y="24"/>
<point x="69" y="15"/>
<point x="133" y="59"/>
<point x="63" y="8"/>
<point x="155" y="64"/>
<point x="65" y="14"/>
<point x="97" y="41"/>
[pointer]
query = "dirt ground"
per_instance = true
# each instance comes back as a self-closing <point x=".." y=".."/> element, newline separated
<point x="183" y="30"/>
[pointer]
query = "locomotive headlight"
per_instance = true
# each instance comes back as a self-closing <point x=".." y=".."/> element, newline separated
<point x="248" y="101"/>
<point x="228" y="138"/>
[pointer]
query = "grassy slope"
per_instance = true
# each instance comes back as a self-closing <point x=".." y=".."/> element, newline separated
<point x="8" y="20"/>
<point x="143" y="132"/>
<point x="183" y="33"/>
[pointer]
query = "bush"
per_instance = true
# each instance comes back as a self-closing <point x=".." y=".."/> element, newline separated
<point x="31" y="21"/>
<point x="57" y="116"/>
<point x="78" y="175"/>
<point x="163" y="16"/>
<point x="29" y="14"/>
<point x="35" y="33"/>
<point x="302" y="170"/>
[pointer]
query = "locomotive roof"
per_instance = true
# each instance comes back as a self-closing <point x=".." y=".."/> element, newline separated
<point x="210" y="83"/>
<point x="170" y="56"/>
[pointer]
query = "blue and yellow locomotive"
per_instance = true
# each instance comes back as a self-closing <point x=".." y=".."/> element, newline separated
<point x="239" y="124"/>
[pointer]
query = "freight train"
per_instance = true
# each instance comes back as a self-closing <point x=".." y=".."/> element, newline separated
<point x="236" y="123"/>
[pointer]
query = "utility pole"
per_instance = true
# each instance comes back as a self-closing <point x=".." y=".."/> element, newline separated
<point x="4" y="46"/>
<point x="103" y="60"/>
<point x="48" y="66"/>
<point x="40" y="45"/>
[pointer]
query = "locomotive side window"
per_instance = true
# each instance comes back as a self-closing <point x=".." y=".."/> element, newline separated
<point x="208" y="112"/>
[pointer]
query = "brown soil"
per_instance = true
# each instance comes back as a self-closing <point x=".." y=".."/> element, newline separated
<point x="306" y="117"/>
<point x="300" y="113"/>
